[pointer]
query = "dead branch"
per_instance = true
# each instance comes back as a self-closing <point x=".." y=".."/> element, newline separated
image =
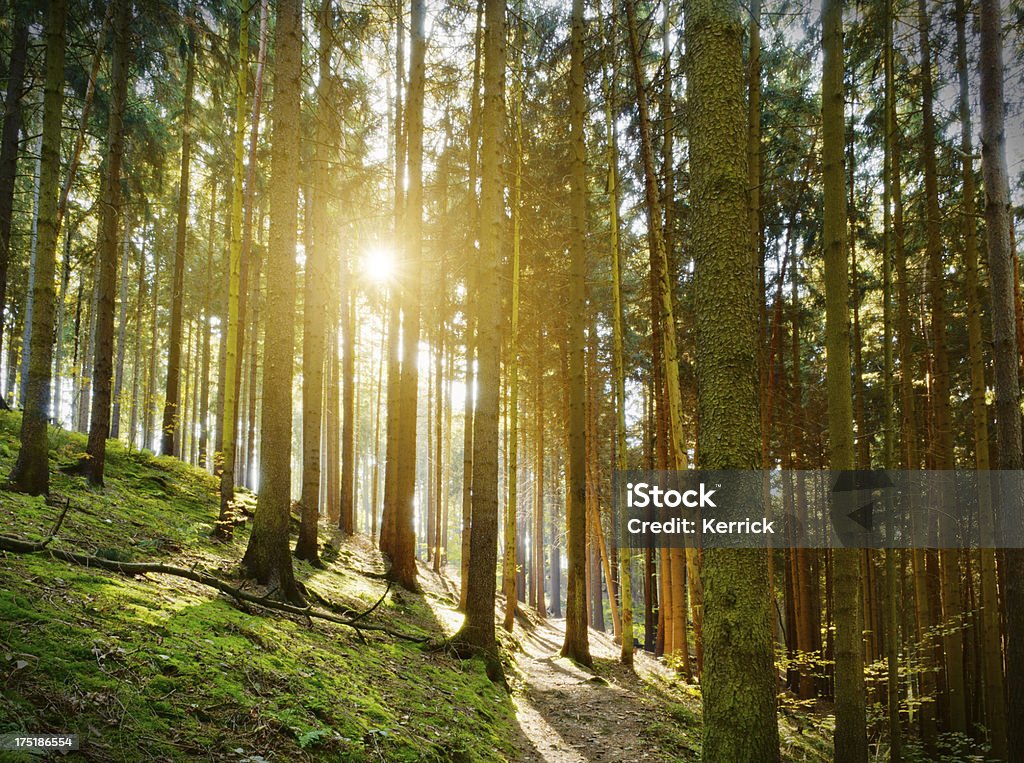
<point x="19" y="546"/>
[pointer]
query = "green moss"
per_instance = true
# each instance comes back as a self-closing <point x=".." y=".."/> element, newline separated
<point x="158" y="667"/>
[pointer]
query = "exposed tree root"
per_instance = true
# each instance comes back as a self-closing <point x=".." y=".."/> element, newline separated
<point x="18" y="546"/>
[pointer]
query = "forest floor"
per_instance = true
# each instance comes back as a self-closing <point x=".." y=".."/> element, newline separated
<point x="159" y="668"/>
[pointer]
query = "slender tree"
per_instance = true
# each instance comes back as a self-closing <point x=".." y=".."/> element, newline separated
<point x="314" y="306"/>
<point x="577" y="645"/>
<point x="172" y="403"/>
<point x="234" y="345"/>
<point x="267" y="557"/>
<point x="31" y="471"/>
<point x="1005" y="350"/>
<point x="851" y="734"/>
<point x="106" y="250"/>
<point x="9" y="140"/>
<point x="478" y="631"/>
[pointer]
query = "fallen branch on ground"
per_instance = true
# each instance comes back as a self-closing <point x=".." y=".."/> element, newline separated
<point x="18" y="546"/>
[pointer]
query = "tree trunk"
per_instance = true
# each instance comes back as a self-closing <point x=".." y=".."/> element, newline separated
<point x="1004" y="344"/>
<point x="204" y="402"/>
<point x="991" y="657"/>
<point x="403" y="550"/>
<point x="508" y="575"/>
<point x="738" y="682"/>
<point x="10" y="139"/>
<point x="851" y="734"/>
<point x="267" y="557"/>
<point x="235" y="334"/>
<point x="576" y="645"/>
<point x="31" y="471"/>
<point x="115" y="416"/>
<point x="478" y="628"/>
<point x="889" y="459"/>
<point x="172" y="403"/>
<point x="942" y="439"/>
<point x="348" y="432"/>
<point x="314" y="306"/>
<point x="470" y="312"/>
<point x="106" y="251"/>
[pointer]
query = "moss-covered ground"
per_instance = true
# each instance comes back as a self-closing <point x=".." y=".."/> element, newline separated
<point x="158" y="668"/>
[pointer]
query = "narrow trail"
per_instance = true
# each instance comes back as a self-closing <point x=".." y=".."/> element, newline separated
<point x="569" y="715"/>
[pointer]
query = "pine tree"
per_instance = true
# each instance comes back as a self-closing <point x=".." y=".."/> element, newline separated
<point x="267" y="557"/>
<point x="31" y="472"/>
<point x="738" y="679"/>
<point x="106" y="250"/>
<point x="478" y="631"/>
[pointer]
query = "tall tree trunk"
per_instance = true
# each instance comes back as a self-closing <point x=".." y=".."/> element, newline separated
<point x="1004" y="344"/>
<point x="618" y="363"/>
<point x="58" y="353"/>
<point x="234" y="345"/>
<point x="31" y="471"/>
<point x="537" y="553"/>
<point x="10" y="139"/>
<point x="348" y="431"/>
<point x="140" y="301"/>
<point x="403" y="550"/>
<point x="106" y="251"/>
<point x="478" y="630"/>
<point x="738" y="683"/>
<point x="851" y="733"/>
<point x="952" y="633"/>
<point x="115" y="416"/>
<point x="889" y="459"/>
<point x="991" y="647"/>
<point x="508" y="575"/>
<point x="204" y="402"/>
<point x="26" y="339"/>
<point x="172" y="403"/>
<point x="470" y="312"/>
<point x="674" y="611"/>
<point x="314" y="305"/>
<point x="267" y="557"/>
<point x="576" y="645"/>
<point x="149" y="399"/>
<point x="387" y="531"/>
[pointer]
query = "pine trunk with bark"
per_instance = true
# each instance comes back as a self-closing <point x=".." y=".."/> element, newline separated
<point x="31" y="471"/>
<point x="267" y="557"/>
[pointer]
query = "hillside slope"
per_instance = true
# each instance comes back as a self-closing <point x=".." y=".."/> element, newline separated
<point x="159" y="668"/>
<point x="163" y="669"/>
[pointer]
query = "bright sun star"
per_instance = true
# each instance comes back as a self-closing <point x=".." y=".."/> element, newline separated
<point x="379" y="264"/>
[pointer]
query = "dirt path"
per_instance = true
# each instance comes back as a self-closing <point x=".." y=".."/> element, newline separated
<point x="569" y="715"/>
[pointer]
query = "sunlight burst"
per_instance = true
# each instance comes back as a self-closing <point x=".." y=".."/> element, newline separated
<point x="379" y="264"/>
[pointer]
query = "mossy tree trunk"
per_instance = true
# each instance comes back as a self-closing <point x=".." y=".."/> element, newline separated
<point x="738" y="679"/>
<point x="31" y="471"/>
<point x="267" y="557"/>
